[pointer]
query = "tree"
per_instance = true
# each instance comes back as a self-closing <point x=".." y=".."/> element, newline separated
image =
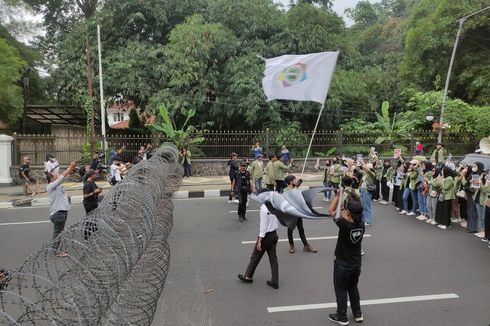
<point x="11" y="69"/>
<point x="429" y="43"/>
<point x="134" y="119"/>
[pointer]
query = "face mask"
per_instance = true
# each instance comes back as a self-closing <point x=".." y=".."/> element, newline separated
<point x="474" y="169"/>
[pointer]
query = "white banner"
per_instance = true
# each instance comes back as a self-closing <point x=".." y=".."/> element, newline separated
<point x="304" y="77"/>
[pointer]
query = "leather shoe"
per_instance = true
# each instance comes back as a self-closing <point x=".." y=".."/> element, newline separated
<point x="272" y="284"/>
<point x="244" y="279"/>
<point x="309" y="249"/>
<point x="291" y="249"/>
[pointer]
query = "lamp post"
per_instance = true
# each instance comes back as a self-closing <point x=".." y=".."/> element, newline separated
<point x="429" y="116"/>
<point x="453" y="55"/>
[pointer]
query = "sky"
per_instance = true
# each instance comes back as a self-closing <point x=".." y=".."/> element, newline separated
<point x="338" y="6"/>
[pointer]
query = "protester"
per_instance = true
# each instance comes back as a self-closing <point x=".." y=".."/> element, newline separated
<point x="233" y="164"/>
<point x="285" y="155"/>
<point x="327" y="180"/>
<point x="434" y="191"/>
<point x="419" y="148"/>
<point x="292" y="184"/>
<point x="266" y="242"/>
<point x="24" y="170"/>
<point x="94" y="163"/>
<point x="270" y="177"/>
<point x="348" y="258"/>
<point x="438" y="155"/>
<point x="367" y="181"/>
<point x="139" y="157"/>
<point x="477" y="182"/>
<point x="410" y="189"/>
<point x="257" y="171"/>
<point x="257" y="150"/>
<point x="90" y="192"/>
<point x="242" y="187"/>
<point x="116" y="170"/>
<point x="461" y="196"/>
<point x="52" y="165"/>
<point x="397" y="183"/>
<point x="378" y="172"/>
<point x="443" y="210"/>
<point x="386" y="176"/>
<point x="59" y="206"/>
<point x="279" y="173"/>
<point x="185" y="160"/>
<point x="424" y="171"/>
<point x="472" y="213"/>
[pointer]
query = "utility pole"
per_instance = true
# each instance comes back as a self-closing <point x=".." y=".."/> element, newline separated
<point x="25" y="84"/>
<point x="451" y="62"/>
<point x="90" y="90"/>
<point x="102" y="102"/>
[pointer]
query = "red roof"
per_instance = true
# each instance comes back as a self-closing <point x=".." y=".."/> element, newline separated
<point x="121" y="125"/>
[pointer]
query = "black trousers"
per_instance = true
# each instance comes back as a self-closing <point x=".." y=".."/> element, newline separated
<point x="462" y="208"/>
<point x="242" y="203"/>
<point x="487" y="222"/>
<point x="280" y="185"/>
<point x="91" y="226"/>
<point x="301" y="230"/>
<point x="443" y="212"/>
<point x="345" y="280"/>
<point x="269" y="245"/>
<point x="397" y="197"/>
<point x="58" y="219"/>
<point x="376" y="193"/>
<point x="385" y="190"/>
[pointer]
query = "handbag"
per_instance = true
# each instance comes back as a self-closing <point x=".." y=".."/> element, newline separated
<point x="434" y="193"/>
<point x="461" y="194"/>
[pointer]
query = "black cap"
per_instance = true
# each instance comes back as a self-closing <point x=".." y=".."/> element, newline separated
<point x="117" y="158"/>
<point x="243" y="163"/>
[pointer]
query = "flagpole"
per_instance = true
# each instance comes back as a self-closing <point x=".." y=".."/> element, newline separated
<point x="311" y="140"/>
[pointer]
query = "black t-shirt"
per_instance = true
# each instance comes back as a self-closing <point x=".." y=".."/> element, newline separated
<point x="243" y="181"/>
<point x="233" y="168"/>
<point x="94" y="164"/>
<point x="24" y="168"/>
<point x="348" y="247"/>
<point x="89" y="187"/>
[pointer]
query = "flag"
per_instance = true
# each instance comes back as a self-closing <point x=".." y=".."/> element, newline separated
<point x="299" y="77"/>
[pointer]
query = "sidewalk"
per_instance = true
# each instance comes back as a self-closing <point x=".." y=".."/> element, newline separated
<point x="193" y="187"/>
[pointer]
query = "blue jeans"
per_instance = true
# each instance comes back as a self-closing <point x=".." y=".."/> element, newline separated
<point x="58" y="219"/>
<point x="412" y="194"/>
<point x="422" y="201"/>
<point x="327" y="193"/>
<point x="366" y="198"/>
<point x="187" y="170"/>
<point x="480" y="209"/>
<point x="258" y="184"/>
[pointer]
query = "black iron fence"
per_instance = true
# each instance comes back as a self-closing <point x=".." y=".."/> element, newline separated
<point x="219" y="144"/>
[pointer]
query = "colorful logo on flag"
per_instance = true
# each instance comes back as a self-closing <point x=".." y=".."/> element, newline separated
<point x="293" y="75"/>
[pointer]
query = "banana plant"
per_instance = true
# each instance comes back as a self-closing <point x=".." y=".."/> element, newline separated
<point x="391" y="129"/>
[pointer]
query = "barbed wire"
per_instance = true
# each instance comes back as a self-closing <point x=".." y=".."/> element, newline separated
<point x="118" y="257"/>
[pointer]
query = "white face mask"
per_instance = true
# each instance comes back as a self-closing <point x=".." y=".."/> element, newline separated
<point x="474" y="169"/>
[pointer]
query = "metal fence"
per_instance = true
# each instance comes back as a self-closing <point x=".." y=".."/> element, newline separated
<point x="219" y="144"/>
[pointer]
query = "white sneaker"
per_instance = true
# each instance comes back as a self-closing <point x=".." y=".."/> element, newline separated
<point x="375" y="200"/>
<point x="230" y="201"/>
<point x="383" y="202"/>
<point x="326" y="199"/>
<point x="397" y="208"/>
<point x="480" y="234"/>
<point x="411" y="214"/>
<point x="429" y="221"/>
<point x="455" y="220"/>
<point x="443" y="227"/>
<point x="235" y="201"/>
<point x="424" y="218"/>
<point x="433" y="223"/>
<point x="403" y="212"/>
<point x="420" y="217"/>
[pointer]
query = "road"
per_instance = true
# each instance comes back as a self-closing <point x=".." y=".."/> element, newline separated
<point x="413" y="273"/>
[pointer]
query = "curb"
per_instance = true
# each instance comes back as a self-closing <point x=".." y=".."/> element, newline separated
<point x="78" y="199"/>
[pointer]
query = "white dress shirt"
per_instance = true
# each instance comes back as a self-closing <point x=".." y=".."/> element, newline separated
<point x="268" y="221"/>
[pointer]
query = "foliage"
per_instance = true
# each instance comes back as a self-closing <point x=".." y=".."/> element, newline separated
<point x="134" y="119"/>
<point x="289" y="134"/>
<point x="11" y="100"/>
<point x="187" y="135"/>
<point x="328" y="153"/>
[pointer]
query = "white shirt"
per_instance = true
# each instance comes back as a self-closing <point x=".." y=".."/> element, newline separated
<point x="115" y="172"/>
<point x="268" y="221"/>
<point x="53" y="167"/>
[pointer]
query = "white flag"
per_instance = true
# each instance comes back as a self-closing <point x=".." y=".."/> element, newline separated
<point x="299" y="77"/>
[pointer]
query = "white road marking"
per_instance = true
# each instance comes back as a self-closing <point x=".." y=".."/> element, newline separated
<point x="309" y="239"/>
<point x="258" y="210"/>
<point x="365" y="302"/>
<point x="22" y="223"/>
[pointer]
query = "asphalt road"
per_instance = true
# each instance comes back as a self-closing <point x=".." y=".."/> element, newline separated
<point x="405" y="259"/>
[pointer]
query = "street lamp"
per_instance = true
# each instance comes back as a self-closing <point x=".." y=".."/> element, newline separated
<point x="461" y="21"/>
<point x="429" y="116"/>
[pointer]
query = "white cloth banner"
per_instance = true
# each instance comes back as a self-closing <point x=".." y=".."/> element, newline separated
<point x="304" y="77"/>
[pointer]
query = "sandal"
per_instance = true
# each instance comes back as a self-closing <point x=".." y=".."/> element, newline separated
<point x="62" y="254"/>
<point x="33" y="194"/>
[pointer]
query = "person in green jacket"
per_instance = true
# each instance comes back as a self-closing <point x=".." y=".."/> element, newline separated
<point x="335" y="173"/>
<point x="270" y="177"/>
<point x="280" y="173"/>
<point x="444" y="202"/>
<point x="185" y="160"/>
<point x="256" y="169"/>
<point x="327" y="180"/>
<point x="434" y="190"/>
<point x="410" y="188"/>
<point x="387" y="174"/>
<point x="438" y="155"/>
<point x="368" y="177"/>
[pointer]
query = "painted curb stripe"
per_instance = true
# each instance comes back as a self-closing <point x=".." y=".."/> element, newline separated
<point x="309" y="239"/>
